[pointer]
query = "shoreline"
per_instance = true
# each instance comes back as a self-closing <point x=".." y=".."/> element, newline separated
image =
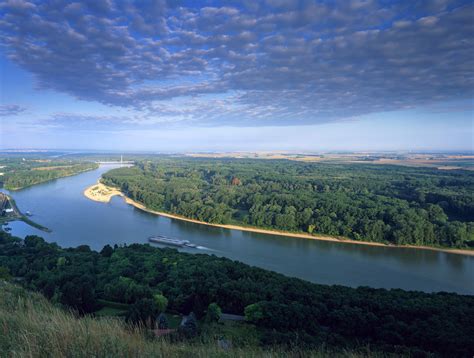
<point x="103" y="194"/>
<point x="19" y="216"/>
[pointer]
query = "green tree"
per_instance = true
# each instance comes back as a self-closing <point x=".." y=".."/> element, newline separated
<point x="161" y="302"/>
<point x="79" y="294"/>
<point x="107" y="251"/>
<point x="436" y="214"/>
<point x="142" y="312"/>
<point x="61" y="261"/>
<point x="4" y="273"/>
<point x="253" y="313"/>
<point x="213" y="312"/>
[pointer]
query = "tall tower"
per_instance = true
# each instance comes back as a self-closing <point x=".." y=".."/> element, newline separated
<point x="121" y="159"/>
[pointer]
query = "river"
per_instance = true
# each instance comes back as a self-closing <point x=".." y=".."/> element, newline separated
<point x="75" y="220"/>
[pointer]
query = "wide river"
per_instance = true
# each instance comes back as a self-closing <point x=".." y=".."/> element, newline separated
<point x="75" y="220"/>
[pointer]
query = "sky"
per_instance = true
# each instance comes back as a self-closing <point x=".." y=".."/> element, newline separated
<point x="237" y="75"/>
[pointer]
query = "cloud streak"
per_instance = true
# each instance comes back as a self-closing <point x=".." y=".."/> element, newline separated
<point x="9" y="110"/>
<point x="246" y="63"/>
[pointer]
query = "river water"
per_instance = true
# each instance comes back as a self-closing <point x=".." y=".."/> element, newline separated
<point x="75" y="220"/>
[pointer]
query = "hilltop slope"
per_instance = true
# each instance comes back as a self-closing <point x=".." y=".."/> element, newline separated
<point x="32" y="327"/>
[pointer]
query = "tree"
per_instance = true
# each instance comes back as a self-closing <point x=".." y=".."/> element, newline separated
<point x="305" y="217"/>
<point x="107" y="251"/>
<point x="253" y="313"/>
<point x="436" y="214"/>
<point x="142" y="312"/>
<point x="4" y="273"/>
<point x="61" y="261"/>
<point x="161" y="302"/>
<point x="213" y="312"/>
<point x="79" y="294"/>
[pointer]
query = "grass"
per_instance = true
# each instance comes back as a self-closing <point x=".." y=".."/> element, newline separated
<point x="173" y="320"/>
<point x="118" y="305"/>
<point x="30" y="326"/>
<point x="111" y="309"/>
<point x="110" y="312"/>
<point x="240" y="334"/>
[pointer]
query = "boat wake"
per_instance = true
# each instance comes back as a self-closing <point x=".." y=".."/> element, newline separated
<point x="204" y="248"/>
<point x="163" y="240"/>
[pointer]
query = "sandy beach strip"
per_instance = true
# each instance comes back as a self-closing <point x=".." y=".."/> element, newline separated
<point x="102" y="193"/>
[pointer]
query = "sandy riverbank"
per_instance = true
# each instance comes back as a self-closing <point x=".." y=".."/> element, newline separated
<point x="102" y="193"/>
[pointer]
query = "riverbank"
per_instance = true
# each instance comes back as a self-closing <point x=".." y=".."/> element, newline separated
<point x="49" y="179"/>
<point x="18" y="215"/>
<point x="102" y="193"/>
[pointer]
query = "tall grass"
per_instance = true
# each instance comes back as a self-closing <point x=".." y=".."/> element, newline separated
<point x="30" y="326"/>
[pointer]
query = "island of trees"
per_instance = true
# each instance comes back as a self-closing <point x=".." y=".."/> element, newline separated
<point x="279" y="311"/>
<point x="388" y="204"/>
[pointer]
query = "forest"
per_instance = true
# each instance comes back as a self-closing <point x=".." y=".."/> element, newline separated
<point x="285" y="311"/>
<point x="19" y="173"/>
<point x="380" y="203"/>
<point x="32" y="326"/>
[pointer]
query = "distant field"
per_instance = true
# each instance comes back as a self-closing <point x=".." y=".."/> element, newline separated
<point x="443" y="161"/>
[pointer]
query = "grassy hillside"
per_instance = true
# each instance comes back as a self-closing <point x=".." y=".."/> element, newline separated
<point x="32" y="327"/>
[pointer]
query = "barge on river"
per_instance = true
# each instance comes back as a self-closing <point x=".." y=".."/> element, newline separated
<point x="159" y="239"/>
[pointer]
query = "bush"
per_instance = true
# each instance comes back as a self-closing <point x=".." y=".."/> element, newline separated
<point x="213" y="312"/>
<point x="142" y="312"/>
<point x="189" y="328"/>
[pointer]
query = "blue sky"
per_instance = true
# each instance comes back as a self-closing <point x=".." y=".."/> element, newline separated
<point x="247" y="75"/>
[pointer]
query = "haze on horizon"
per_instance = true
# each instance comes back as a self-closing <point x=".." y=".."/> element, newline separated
<point x="237" y="75"/>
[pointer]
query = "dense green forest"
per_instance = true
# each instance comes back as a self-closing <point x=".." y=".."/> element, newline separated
<point x="35" y="327"/>
<point x="389" y="204"/>
<point x="285" y="311"/>
<point x="19" y="173"/>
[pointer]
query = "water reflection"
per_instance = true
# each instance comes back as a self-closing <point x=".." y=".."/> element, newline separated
<point x="455" y="261"/>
